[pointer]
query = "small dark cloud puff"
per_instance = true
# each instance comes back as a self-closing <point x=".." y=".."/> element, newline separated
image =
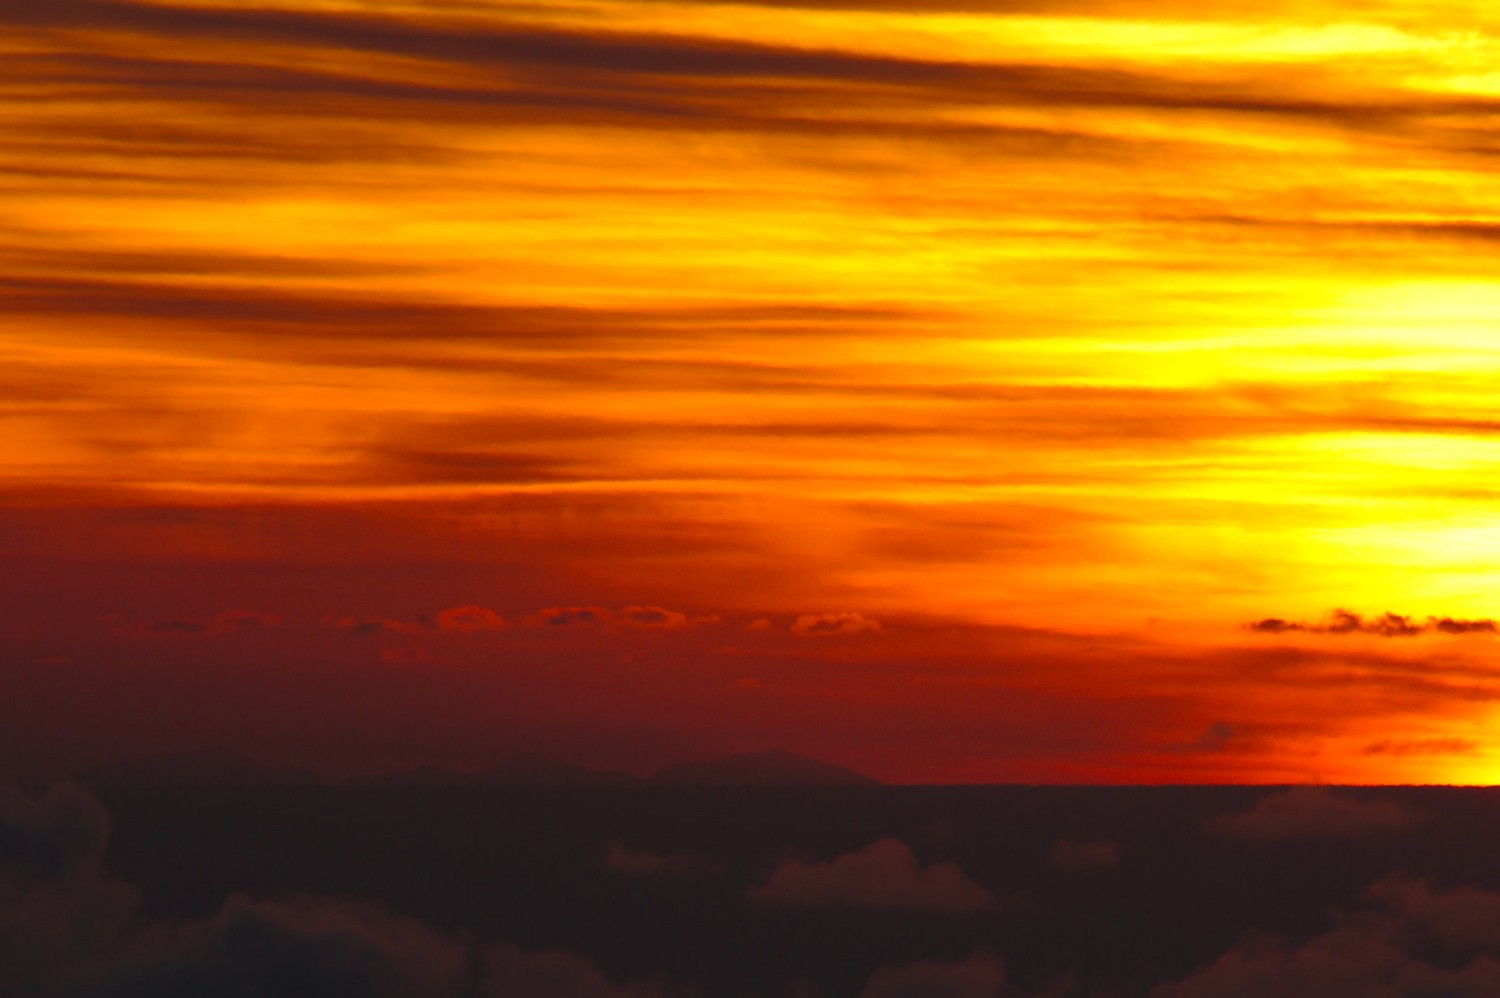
<point x="225" y="622"/>
<point x="654" y="617"/>
<point x="1311" y="812"/>
<point x="1409" y="939"/>
<point x="367" y="625"/>
<point x="1077" y="857"/>
<point x="884" y="874"/>
<point x="1448" y="625"/>
<point x="1387" y="625"/>
<point x="1216" y="738"/>
<point x="573" y="616"/>
<point x="814" y="625"/>
<point x="980" y="976"/>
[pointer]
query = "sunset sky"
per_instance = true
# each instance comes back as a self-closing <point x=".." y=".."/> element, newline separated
<point x="985" y="390"/>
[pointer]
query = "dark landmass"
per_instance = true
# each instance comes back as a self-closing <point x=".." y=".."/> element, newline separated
<point x="525" y="771"/>
<point x="225" y="767"/>
<point x="215" y="766"/>
<point x="773" y="768"/>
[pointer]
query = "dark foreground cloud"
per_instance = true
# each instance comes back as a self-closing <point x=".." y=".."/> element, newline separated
<point x="1312" y="812"/>
<point x="644" y="863"/>
<point x="1081" y="856"/>
<point x="69" y="931"/>
<point x="1411" y="939"/>
<point x="56" y="906"/>
<point x="980" y="976"/>
<point x="305" y="947"/>
<point x="316" y="947"/>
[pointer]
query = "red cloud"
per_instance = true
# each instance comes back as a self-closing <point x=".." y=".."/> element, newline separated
<point x="829" y="624"/>
<point x="468" y="619"/>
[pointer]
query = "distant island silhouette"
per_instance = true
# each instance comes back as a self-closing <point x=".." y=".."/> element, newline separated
<point x="220" y="766"/>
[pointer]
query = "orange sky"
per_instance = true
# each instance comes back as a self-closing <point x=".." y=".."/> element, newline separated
<point x="941" y="391"/>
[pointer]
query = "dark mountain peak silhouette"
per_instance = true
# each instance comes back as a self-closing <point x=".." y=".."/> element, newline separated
<point x="769" y="768"/>
<point x="220" y="766"/>
<point x="419" y="776"/>
<point x="542" y="771"/>
<point x="526" y="770"/>
<point x="211" y="766"/>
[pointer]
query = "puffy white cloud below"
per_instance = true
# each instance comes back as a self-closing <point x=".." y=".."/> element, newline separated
<point x="1410" y="940"/>
<point x="644" y="863"/>
<point x="1312" y="812"/>
<point x="884" y="874"/>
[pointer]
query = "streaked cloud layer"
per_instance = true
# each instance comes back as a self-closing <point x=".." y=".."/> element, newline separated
<point x="1115" y="324"/>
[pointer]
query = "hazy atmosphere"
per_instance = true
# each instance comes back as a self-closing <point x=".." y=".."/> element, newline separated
<point x="771" y="499"/>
